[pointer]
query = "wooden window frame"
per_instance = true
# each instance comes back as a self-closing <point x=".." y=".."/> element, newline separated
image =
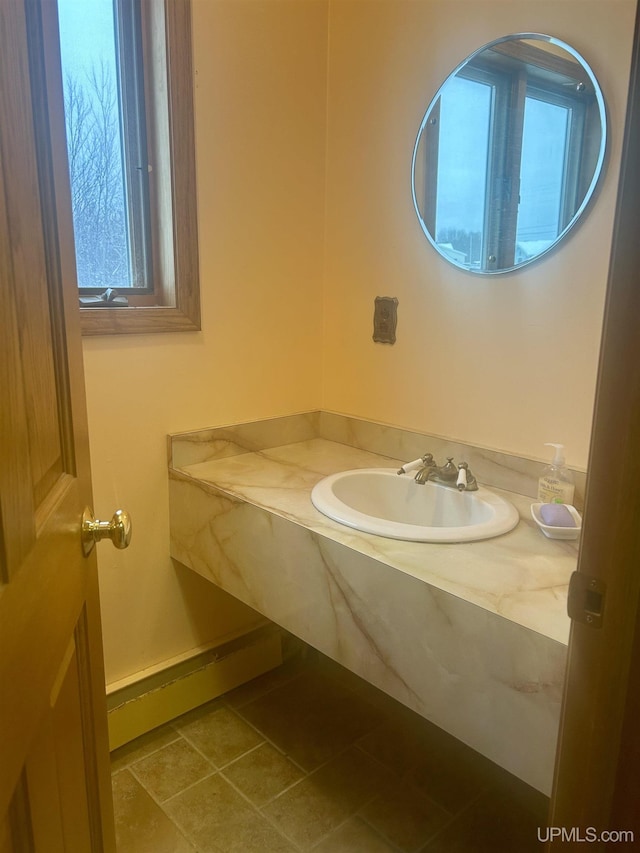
<point x="174" y="305"/>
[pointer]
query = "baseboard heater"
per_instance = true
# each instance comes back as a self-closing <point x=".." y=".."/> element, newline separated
<point x="167" y="692"/>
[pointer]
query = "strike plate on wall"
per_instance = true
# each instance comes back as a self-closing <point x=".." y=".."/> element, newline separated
<point x="385" y="319"/>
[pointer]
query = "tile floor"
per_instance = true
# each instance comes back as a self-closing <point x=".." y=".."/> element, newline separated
<point x="309" y="757"/>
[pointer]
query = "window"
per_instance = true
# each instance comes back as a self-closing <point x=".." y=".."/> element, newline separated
<point x="127" y="85"/>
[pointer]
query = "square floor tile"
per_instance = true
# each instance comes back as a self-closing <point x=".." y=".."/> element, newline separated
<point x="220" y="734"/>
<point x="141" y="825"/>
<point x="352" y="778"/>
<point x="262" y="774"/>
<point x="312" y="718"/>
<point x="209" y="811"/>
<point x="252" y="834"/>
<point x="444" y="769"/>
<point x="492" y="824"/>
<point x="324" y="799"/>
<point x="141" y="746"/>
<point x="354" y="836"/>
<point x="405" y="817"/>
<point x="171" y="769"/>
<point x="306" y="813"/>
<point x="264" y="684"/>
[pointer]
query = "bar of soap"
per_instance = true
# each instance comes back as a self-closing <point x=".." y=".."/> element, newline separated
<point x="557" y="515"/>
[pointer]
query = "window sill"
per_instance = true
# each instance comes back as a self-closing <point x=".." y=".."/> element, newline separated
<point x="137" y="320"/>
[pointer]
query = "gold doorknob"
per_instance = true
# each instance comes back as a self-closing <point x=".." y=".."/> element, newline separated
<point x="118" y="530"/>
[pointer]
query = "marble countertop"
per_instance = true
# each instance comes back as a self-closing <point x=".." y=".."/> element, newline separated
<point x="521" y="575"/>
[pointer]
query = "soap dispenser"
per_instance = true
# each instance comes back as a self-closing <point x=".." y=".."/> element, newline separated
<point x="556" y="483"/>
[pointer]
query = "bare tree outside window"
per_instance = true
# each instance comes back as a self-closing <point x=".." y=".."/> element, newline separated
<point x="97" y="186"/>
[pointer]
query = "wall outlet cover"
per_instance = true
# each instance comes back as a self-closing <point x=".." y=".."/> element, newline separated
<point x="385" y="319"/>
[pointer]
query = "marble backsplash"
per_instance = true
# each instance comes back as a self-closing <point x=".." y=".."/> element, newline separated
<point x="491" y="467"/>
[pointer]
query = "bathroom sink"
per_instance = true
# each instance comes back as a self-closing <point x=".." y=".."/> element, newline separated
<point x="380" y="501"/>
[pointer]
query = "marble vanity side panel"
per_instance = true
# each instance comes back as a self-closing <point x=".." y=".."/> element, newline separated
<point x="189" y="448"/>
<point x="489" y="682"/>
<point x="491" y="467"/>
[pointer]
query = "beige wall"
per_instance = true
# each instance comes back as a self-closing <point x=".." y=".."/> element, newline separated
<point x="260" y="130"/>
<point x="507" y="362"/>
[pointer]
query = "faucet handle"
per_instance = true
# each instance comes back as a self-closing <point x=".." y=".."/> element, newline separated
<point x="461" y="482"/>
<point x="449" y="467"/>
<point x="411" y="466"/>
<point x="466" y="481"/>
<point x="427" y="459"/>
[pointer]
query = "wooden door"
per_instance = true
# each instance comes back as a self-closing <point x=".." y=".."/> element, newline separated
<point x="54" y="770"/>
<point x="597" y="781"/>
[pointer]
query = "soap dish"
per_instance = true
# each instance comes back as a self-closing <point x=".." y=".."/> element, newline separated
<point x="554" y="532"/>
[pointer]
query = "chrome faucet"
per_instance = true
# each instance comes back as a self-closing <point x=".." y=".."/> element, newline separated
<point x="449" y="474"/>
<point x="445" y="474"/>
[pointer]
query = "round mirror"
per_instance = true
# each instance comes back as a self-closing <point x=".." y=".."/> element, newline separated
<point x="509" y="153"/>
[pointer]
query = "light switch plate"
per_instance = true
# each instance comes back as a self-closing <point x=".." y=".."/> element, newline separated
<point x="385" y="319"/>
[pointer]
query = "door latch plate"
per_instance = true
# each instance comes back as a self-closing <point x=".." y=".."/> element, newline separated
<point x="585" y="603"/>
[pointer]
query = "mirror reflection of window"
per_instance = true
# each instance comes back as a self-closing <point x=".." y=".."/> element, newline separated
<point x="542" y="176"/>
<point x="508" y="153"/>
<point x="461" y="196"/>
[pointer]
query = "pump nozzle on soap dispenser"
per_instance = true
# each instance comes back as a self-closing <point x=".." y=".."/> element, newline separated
<point x="556" y="483"/>
<point x="558" y="459"/>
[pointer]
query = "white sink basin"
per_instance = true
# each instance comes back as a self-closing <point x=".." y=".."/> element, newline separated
<point x="378" y="500"/>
